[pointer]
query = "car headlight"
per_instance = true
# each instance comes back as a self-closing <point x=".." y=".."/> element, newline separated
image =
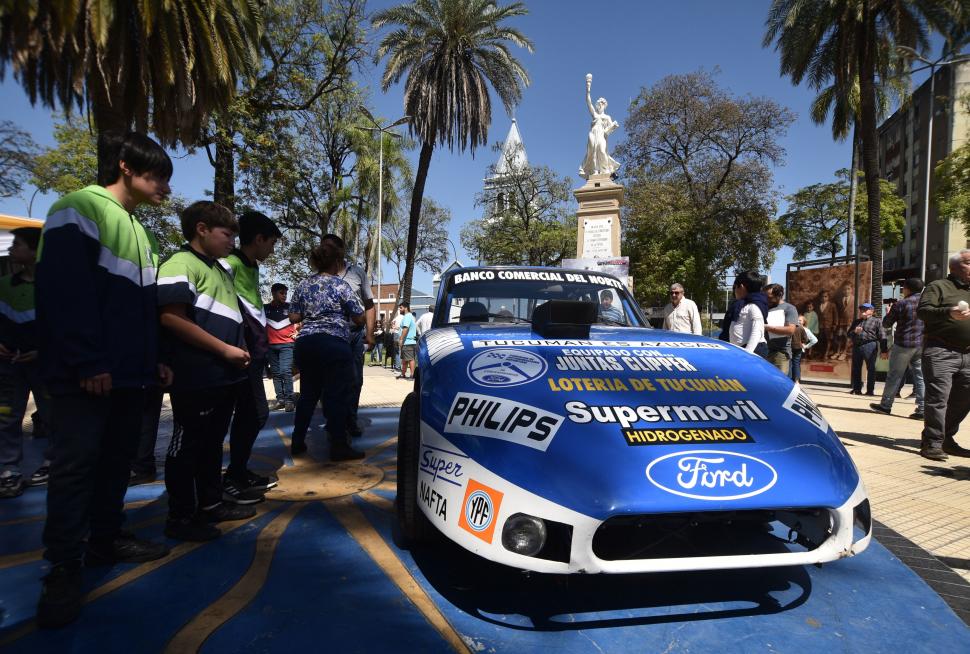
<point x="524" y="534"/>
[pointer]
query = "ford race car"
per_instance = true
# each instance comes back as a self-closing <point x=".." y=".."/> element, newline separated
<point x="552" y="430"/>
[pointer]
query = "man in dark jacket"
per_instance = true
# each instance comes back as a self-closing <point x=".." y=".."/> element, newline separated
<point x="868" y="338"/>
<point x="944" y="308"/>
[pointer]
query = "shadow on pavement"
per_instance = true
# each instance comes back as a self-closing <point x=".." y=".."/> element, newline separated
<point x="959" y="473"/>
<point x="908" y="445"/>
<point x="542" y="602"/>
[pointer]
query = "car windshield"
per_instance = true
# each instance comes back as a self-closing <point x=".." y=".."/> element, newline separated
<point x="510" y="296"/>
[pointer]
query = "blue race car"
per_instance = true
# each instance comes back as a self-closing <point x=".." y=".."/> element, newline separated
<point x="550" y="429"/>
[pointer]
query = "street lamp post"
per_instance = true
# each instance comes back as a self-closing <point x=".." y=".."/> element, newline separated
<point x="932" y="65"/>
<point x="381" y="130"/>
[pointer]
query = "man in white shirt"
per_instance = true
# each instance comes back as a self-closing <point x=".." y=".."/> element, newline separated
<point x="423" y="323"/>
<point x="680" y="314"/>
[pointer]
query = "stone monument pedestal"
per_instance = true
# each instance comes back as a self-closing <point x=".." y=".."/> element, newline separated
<point x="598" y="234"/>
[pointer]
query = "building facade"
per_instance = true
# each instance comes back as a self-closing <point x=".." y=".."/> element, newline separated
<point x="903" y="161"/>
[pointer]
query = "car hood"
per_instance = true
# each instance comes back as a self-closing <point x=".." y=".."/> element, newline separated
<point x="631" y="420"/>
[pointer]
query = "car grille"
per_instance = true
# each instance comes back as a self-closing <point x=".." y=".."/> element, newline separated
<point x="712" y="533"/>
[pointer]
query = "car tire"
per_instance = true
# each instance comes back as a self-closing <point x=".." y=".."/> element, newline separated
<point x="413" y="525"/>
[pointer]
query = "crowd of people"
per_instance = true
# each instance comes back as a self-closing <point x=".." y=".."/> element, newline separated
<point x="97" y="329"/>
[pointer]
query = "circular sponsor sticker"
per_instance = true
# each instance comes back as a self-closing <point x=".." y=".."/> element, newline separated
<point x="505" y="367"/>
<point x="478" y="510"/>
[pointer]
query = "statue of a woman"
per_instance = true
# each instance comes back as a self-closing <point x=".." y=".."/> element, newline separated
<point x="598" y="161"/>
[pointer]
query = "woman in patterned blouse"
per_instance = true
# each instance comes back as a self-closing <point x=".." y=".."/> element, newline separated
<point x="326" y="305"/>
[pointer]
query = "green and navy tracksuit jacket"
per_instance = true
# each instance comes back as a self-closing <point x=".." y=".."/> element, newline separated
<point x="18" y="327"/>
<point x="205" y="285"/>
<point x="96" y="295"/>
<point x="246" y="280"/>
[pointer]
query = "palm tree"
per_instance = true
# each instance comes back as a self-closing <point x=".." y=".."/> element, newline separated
<point x="451" y="51"/>
<point x="159" y="65"/>
<point x="852" y="43"/>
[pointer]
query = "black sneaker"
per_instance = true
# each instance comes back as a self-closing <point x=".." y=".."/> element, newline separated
<point x="916" y="415"/>
<point x="260" y="482"/>
<point x="876" y="406"/>
<point x="125" y="548"/>
<point x="224" y="512"/>
<point x="41" y="475"/>
<point x="60" y="597"/>
<point x="289" y="407"/>
<point x="239" y="493"/>
<point x="950" y="447"/>
<point x="342" y="452"/>
<point x="933" y="454"/>
<point x="191" y="529"/>
<point x="297" y="449"/>
<point x="137" y="478"/>
<point x="11" y="485"/>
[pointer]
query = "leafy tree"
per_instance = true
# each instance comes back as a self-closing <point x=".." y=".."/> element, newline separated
<point x="162" y="65"/>
<point x="308" y="51"/>
<point x="818" y="217"/>
<point x="451" y="52"/>
<point x="432" y="247"/>
<point x="16" y="152"/>
<point x="527" y="218"/>
<point x="73" y="164"/>
<point x="701" y="200"/>
<point x="952" y="189"/>
<point x="849" y="42"/>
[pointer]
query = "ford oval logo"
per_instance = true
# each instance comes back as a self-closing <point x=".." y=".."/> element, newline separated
<point x="711" y="475"/>
<point x="505" y="367"/>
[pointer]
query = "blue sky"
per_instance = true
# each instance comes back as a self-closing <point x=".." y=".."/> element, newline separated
<point x="626" y="45"/>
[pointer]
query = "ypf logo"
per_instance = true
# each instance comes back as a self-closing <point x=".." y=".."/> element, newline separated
<point x="505" y="367"/>
<point x="479" y="510"/>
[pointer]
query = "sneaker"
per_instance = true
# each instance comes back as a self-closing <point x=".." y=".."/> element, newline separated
<point x="933" y="454"/>
<point x="277" y="405"/>
<point x="259" y="482"/>
<point x="855" y="392"/>
<point x="401" y="377"/>
<point x="916" y="415"/>
<point x="876" y="406"/>
<point x="60" y="596"/>
<point x="41" y="475"/>
<point x="289" y="407"/>
<point x="137" y="478"/>
<point x="239" y="493"/>
<point x="191" y="529"/>
<point x="950" y="447"/>
<point x="11" y="485"/>
<point x="125" y="548"/>
<point x="871" y="393"/>
<point x="343" y="452"/>
<point x="223" y="512"/>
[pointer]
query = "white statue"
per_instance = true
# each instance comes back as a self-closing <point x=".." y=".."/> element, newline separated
<point x="598" y="161"/>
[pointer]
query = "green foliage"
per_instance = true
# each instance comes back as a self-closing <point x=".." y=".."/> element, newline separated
<point x="432" y="251"/>
<point x="73" y="164"/>
<point x="952" y="192"/>
<point x="818" y="217"/>
<point x="451" y="52"/>
<point x="16" y="153"/>
<point x="527" y="219"/>
<point x="700" y="195"/>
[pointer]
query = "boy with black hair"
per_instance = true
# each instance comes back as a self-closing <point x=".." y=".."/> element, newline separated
<point x="19" y="374"/>
<point x="257" y="239"/>
<point x="203" y="325"/>
<point x="97" y="323"/>
<point x="281" y="334"/>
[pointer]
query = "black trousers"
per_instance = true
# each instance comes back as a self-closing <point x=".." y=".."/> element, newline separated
<point x="193" y="467"/>
<point x="94" y="439"/>
<point x="144" y="461"/>
<point x="325" y="373"/>
<point x="250" y="417"/>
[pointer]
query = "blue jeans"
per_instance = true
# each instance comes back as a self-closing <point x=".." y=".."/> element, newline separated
<point x="864" y="353"/>
<point x="326" y="370"/>
<point x="795" y="369"/>
<point x="17" y="381"/>
<point x="281" y="366"/>
<point x="377" y="354"/>
<point x="901" y="358"/>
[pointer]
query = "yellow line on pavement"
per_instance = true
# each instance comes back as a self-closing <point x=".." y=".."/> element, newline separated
<point x="193" y="635"/>
<point x="344" y="509"/>
<point x="379" y="501"/>
<point x="389" y="486"/>
<point x="136" y="573"/>
<point x="391" y="442"/>
<point x="283" y="437"/>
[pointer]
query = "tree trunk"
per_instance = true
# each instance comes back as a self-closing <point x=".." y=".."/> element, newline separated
<point x="108" y="118"/>
<point x="870" y="146"/>
<point x="417" y="195"/>
<point x="224" y="183"/>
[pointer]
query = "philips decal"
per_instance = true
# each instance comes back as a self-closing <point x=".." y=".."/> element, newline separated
<point x="505" y="367"/>
<point x="711" y="475"/>
<point x="493" y="417"/>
